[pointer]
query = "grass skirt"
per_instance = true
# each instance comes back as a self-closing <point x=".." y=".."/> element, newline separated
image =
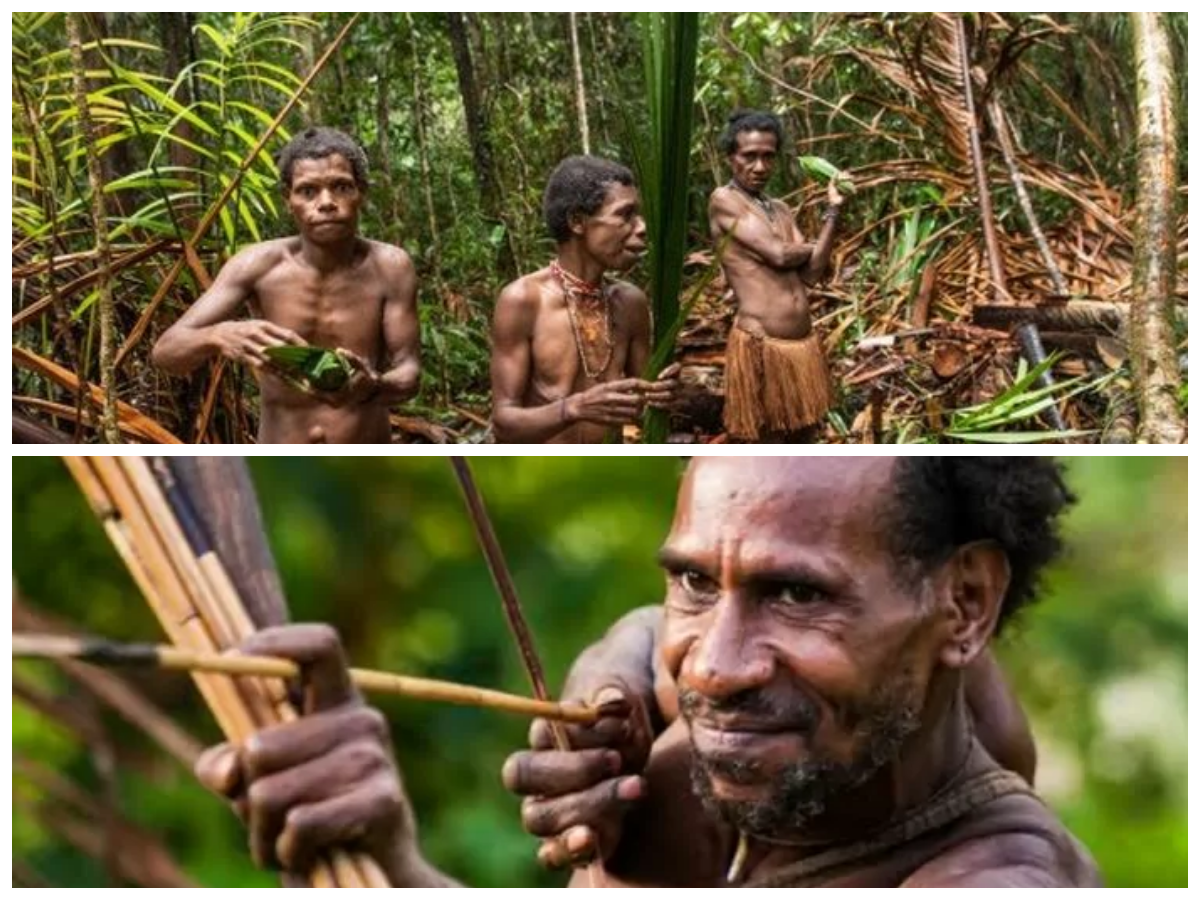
<point x="774" y="386"/>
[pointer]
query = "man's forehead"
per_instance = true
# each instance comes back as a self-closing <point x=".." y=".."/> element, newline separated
<point x="808" y="499"/>
<point x="757" y="140"/>
<point x="620" y="194"/>
<point x="320" y="167"/>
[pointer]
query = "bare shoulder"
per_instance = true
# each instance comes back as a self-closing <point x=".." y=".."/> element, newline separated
<point x="520" y="301"/>
<point x="257" y="260"/>
<point x="630" y="302"/>
<point x="720" y="199"/>
<point x="393" y="259"/>
<point x="525" y="292"/>
<point x="1013" y="859"/>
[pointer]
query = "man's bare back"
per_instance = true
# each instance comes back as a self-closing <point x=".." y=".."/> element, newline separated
<point x="326" y="287"/>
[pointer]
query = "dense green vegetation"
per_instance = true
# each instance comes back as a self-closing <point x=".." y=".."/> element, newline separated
<point x="465" y="114"/>
<point x="383" y="549"/>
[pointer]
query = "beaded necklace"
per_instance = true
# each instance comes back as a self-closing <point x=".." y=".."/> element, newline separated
<point x="591" y="318"/>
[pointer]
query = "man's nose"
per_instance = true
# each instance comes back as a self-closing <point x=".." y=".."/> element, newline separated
<point x="728" y="657"/>
<point x="639" y="227"/>
<point x="326" y="200"/>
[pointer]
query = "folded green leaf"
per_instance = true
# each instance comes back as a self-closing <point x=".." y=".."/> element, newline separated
<point x="819" y="167"/>
<point x="318" y="368"/>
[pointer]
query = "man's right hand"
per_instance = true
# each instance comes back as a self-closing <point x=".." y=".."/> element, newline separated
<point x="246" y="341"/>
<point x="612" y="403"/>
<point x="576" y="799"/>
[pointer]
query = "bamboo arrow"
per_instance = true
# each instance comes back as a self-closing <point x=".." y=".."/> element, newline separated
<point x="113" y="653"/>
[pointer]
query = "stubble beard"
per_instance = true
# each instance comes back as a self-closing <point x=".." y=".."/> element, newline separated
<point x="803" y="792"/>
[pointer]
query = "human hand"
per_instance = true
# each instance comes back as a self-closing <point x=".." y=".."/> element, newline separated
<point x="612" y="403"/>
<point x="576" y="800"/>
<point x="324" y="781"/>
<point x="246" y="340"/>
<point x="663" y="392"/>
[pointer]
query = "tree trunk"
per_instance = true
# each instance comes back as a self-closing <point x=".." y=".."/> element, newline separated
<point x="108" y="418"/>
<point x="585" y="136"/>
<point x="175" y="30"/>
<point x="479" y="136"/>
<point x="393" y="206"/>
<point x="117" y="161"/>
<point x="1152" y="332"/>
<point x="418" y="114"/>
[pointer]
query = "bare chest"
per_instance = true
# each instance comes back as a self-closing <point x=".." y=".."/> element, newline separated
<point x="339" y="309"/>
<point x="575" y="349"/>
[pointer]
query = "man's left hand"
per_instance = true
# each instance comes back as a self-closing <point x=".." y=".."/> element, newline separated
<point x="363" y="385"/>
<point x="834" y="197"/>
<point x="665" y="390"/>
<point x="327" y="779"/>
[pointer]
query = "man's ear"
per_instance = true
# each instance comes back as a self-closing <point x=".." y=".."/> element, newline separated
<point x="978" y="576"/>
<point x="576" y="224"/>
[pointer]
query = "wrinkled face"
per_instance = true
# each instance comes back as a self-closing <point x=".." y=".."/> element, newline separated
<point x="615" y="234"/>
<point x="325" y="198"/>
<point x="753" y="162"/>
<point x="802" y="659"/>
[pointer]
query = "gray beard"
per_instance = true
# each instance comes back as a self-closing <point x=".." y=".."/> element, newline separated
<point x="801" y="793"/>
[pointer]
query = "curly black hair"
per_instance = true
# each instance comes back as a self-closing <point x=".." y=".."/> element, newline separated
<point x="749" y="120"/>
<point x="942" y="503"/>
<point x="578" y="186"/>
<point x="318" y="143"/>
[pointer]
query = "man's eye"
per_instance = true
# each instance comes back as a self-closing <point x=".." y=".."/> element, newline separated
<point x="697" y="583"/>
<point x="799" y="594"/>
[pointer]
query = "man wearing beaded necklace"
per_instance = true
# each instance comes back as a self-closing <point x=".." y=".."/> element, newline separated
<point x="776" y="380"/>
<point x="569" y="348"/>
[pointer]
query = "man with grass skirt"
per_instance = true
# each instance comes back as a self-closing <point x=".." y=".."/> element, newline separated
<point x="776" y="381"/>
<point x="327" y="289"/>
<point x="569" y="347"/>
<point x="821" y="621"/>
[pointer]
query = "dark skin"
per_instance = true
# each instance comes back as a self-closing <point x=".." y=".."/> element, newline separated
<point x="626" y="665"/>
<point x="541" y="391"/>
<point x="767" y="263"/>
<point x="327" y="287"/>
<point x="803" y="611"/>
<point x="766" y="602"/>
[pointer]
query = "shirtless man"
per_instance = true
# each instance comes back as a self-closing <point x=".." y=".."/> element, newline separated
<point x="776" y="381"/>
<point x="327" y="287"/>
<point x="820" y="616"/>
<point x="569" y="350"/>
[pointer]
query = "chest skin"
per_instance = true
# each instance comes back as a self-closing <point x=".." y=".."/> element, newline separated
<point x="771" y="301"/>
<point x="342" y="309"/>
<point x="557" y="370"/>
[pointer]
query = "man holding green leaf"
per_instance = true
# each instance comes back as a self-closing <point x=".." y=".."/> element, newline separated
<point x="334" y="340"/>
<point x="776" y="380"/>
<point x="568" y="347"/>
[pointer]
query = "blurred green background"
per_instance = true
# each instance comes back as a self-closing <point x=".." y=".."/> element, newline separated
<point x="382" y="549"/>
